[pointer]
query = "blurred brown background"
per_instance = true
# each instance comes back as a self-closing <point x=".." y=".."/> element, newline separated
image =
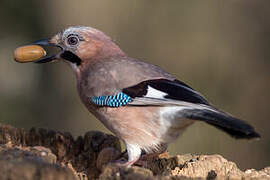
<point x="219" y="47"/>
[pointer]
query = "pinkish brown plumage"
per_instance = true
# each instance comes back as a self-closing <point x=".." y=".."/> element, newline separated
<point x="139" y="102"/>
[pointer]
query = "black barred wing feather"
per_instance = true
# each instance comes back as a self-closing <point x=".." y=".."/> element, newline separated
<point x="117" y="100"/>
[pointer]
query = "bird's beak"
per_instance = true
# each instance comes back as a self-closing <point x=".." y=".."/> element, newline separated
<point x="48" y="45"/>
<point x="43" y="51"/>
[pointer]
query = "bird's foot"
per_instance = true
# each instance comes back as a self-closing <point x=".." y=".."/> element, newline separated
<point x="143" y="161"/>
<point x="147" y="159"/>
<point x="122" y="162"/>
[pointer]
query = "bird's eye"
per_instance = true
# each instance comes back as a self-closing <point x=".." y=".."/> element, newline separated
<point x="72" y="40"/>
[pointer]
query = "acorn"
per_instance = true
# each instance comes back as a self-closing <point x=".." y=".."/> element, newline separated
<point x="29" y="53"/>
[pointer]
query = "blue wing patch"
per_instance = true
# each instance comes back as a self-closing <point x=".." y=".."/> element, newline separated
<point x="117" y="100"/>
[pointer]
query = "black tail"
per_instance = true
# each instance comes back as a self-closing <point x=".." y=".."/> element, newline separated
<point x="235" y="127"/>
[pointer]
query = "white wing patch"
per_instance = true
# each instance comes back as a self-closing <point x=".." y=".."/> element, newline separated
<point x="153" y="93"/>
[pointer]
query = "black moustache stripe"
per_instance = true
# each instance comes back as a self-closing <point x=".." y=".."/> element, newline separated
<point x="69" y="56"/>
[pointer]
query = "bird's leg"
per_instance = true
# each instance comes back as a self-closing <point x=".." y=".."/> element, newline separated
<point x="134" y="153"/>
<point x="135" y="157"/>
<point x="147" y="157"/>
<point x="141" y="161"/>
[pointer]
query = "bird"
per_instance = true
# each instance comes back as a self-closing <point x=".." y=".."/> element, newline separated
<point x="142" y="104"/>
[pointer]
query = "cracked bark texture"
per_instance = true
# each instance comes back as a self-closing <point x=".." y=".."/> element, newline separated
<point x="46" y="154"/>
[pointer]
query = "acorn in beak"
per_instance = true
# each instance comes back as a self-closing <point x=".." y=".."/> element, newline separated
<point x="41" y="51"/>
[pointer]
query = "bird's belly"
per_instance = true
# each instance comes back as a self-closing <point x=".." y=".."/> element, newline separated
<point x="146" y="126"/>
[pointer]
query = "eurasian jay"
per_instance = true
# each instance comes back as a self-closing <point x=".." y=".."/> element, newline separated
<point x="140" y="103"/>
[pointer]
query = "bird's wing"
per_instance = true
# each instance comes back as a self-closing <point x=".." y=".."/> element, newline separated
<point x="153" y="92"/>
<point x="194" y="106"/>
<point x="162" y="92"/>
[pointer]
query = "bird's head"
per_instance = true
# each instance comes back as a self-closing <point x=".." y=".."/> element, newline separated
<point x="80" y="46"/>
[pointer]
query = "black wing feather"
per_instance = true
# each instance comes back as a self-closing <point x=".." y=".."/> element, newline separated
<point x="175" y="90"/>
